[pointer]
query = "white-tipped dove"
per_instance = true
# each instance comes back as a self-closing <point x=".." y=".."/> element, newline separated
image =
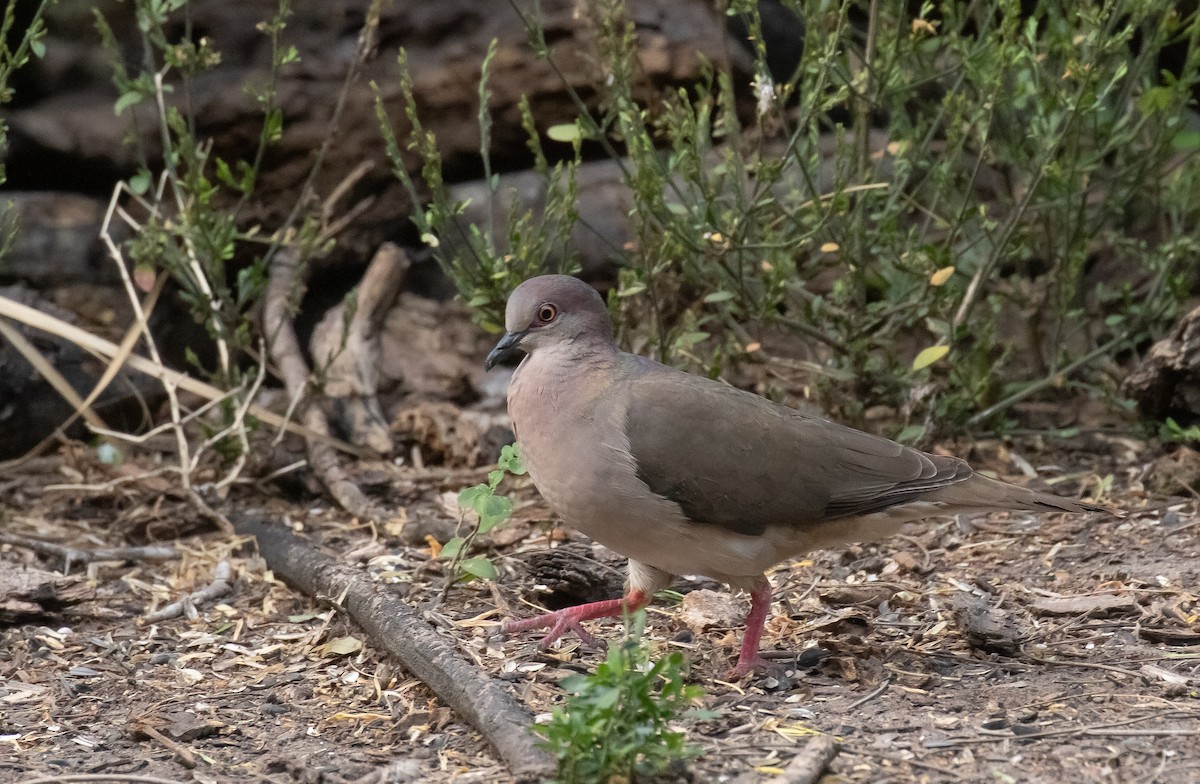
<point x="686" y="475"/>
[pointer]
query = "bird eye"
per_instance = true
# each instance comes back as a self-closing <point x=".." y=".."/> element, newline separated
<point x="547" y="313"/>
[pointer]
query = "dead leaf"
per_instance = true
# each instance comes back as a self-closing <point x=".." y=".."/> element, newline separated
<point x="341" y="646"/>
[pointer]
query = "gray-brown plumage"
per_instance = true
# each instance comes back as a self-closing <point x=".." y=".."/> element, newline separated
<point x="686" y="475"/>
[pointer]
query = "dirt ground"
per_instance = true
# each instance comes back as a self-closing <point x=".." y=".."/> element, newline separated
<point x="995" y="649"/>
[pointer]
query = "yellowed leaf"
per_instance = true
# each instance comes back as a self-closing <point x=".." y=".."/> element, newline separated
<point x="830" y="247"/>
<point x="941" y="276"/>
<point x="341" y="646"/>
<point x="930" y="355"/>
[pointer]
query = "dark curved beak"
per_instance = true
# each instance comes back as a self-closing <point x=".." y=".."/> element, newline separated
<point x="506" y="348"/>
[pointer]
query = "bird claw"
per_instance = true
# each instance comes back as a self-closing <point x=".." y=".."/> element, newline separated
<point x="745" y="666"/>
<point x="559" y="622"/>
<point x="564" y="623"/>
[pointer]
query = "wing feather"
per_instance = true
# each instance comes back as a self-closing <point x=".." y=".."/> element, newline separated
<point x="734" y="459"/>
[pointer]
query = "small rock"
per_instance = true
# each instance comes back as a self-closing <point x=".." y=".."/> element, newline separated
<point x="705" y="609"/>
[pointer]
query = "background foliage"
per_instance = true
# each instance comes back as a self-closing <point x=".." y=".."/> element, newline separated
<point x="952" y="209"/>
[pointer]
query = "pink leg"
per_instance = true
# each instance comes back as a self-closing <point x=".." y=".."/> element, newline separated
<point x="760" y="606"/>
<point x="559" y="621"/>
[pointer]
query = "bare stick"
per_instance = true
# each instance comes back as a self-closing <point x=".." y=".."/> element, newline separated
<point x="72" y="555"/>
<point x="398" y="629"/>
<point x="182" y="754"/>
<point x="116" y="778"/>
<point x="809" y="765"/>
<point x="219" y="586"/>
<point x="325" y="466"/>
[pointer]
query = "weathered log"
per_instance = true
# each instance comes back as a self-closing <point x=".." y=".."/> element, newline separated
<point x="1167" y="382"/>
<point x="71" y="138"/>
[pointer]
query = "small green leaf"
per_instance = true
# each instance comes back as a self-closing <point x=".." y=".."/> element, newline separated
<point x="511" y="460"/>
<point x="140" y="182"/>
<point x="928" y="356"/>
<point x="1186" y="140"/>
<point x="719" y="296"/>
<point x="567" y="132"/>
<point x="451" y="548"/>
<point x="469" y="498"/>
<point x="38" y="47"/>
<point x="225" y="174"/>
<point x="483" y="568"/>
<point x="911" y="434"/>
<point x="131" y="98"/>
<point x="493" y="512"/>
<point x="689" y="339"/>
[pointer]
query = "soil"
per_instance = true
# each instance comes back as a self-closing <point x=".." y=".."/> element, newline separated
<point x="1000" y="648"/>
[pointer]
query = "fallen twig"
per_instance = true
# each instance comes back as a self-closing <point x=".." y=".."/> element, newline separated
<point x="398" y="629"/>
<point x="117" y="778"/>
<point x="293" y="369"/>
<point x="219" y="586"/>
<point x="861" y="701"/>
<point x="1093" y="730"/>
<point x="182" y="754"/>
<point x="72" y="555"/>
<point x="810" y="763"/>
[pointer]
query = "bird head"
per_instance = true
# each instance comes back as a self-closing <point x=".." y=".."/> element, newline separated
<point x="551" y="310"/>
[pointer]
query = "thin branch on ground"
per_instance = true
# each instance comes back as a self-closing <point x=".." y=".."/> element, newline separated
<point x="74" y="555"/>
<point x="183" y="755"/>
<point x="400" y="630"/>
<point x="810" y="763"/>
<point x="220" y="586"/>
<point x="1093" y="730"/>
<point x="117" y="778"/>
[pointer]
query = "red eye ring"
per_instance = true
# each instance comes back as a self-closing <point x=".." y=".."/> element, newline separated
<point x="546" y="313"/>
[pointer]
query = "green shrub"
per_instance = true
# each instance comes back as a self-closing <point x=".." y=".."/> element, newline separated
<point x="15" y="51"/>
<point x="1012" y="151"/>
<point x="615" y="725"/>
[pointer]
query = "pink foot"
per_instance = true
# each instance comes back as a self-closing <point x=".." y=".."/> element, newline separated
<point x="760" y="606"/>
<point x="568" y="619"/>
<point x="744" y="667"/>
